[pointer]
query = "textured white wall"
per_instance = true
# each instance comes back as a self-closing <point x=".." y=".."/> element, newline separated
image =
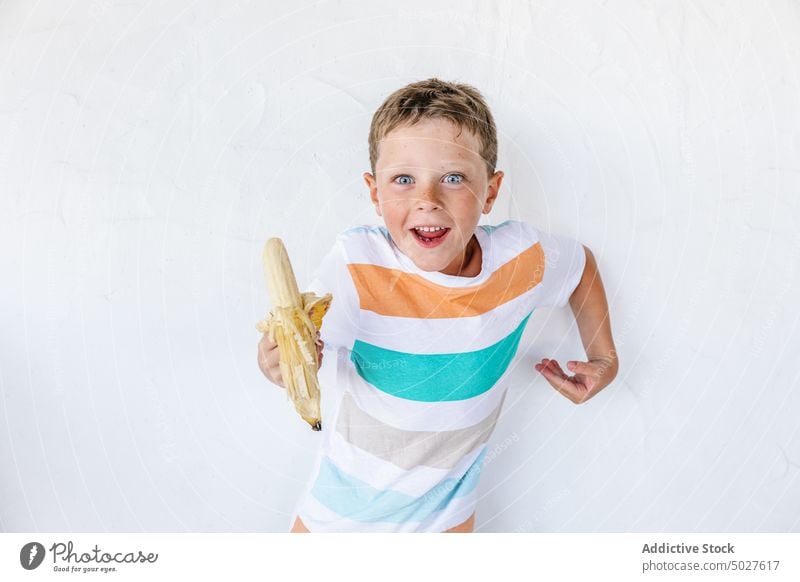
<point x="147" y="149"/>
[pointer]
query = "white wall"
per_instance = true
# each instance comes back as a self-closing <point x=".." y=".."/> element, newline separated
<point x="147" y="149"/>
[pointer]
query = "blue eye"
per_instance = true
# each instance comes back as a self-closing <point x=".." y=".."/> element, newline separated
<point x="403" y="176"/>
<point x="459" y="176"/>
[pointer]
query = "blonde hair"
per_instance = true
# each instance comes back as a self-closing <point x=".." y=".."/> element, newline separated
<point x="433" y="98"/>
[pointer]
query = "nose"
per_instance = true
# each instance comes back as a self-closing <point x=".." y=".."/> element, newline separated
<point x="429" y="200"/>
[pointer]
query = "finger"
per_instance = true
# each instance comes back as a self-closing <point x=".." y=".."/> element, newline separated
<point x="551" y="374"/>
<point x="553" y="367"/>
<point x="586" y="368"/>
<point x="576" y="392"/>
<point x="556" y="367"/>
<point x="543" y="363"/>
<point x="558" y="382"/>
<point x="547" y="364"/>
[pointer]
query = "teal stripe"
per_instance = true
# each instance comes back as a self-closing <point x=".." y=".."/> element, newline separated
<point x="436" y="377"/>
<point x="354" y="499"/>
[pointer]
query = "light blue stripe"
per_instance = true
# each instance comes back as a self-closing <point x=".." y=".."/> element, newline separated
<point x="436" y="377"/>
<point x="354" y="499"/>
<point x="489" y="228"/>
<point x="367" y="228"/>
<point x="383" y="230"/>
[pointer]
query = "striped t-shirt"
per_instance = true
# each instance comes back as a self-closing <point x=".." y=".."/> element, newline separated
<point x="415" y="373"/>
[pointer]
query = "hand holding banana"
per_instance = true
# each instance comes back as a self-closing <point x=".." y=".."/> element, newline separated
<point x="293" y="324"/>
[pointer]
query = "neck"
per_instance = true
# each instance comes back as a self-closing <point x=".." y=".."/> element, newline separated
<point x="471" y="263"/>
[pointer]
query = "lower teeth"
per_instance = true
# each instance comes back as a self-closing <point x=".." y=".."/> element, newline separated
<point x="425" y="238"/>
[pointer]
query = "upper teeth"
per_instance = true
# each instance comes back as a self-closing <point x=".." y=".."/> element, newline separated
<point x="430" y="228"/>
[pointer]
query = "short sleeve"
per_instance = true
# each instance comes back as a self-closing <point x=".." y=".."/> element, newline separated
<point x="565" y="259"/>
<point x="332" y="276"/>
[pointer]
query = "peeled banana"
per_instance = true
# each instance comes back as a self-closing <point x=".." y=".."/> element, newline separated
<point x="293" y="324"/>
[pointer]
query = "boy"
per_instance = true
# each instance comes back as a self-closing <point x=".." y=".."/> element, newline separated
<point x="426" y="318"/>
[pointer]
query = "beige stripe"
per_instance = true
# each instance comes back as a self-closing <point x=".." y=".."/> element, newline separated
<point x="410" y="448"/>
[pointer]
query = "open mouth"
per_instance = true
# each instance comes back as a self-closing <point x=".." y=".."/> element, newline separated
<point x="430" y="237"/>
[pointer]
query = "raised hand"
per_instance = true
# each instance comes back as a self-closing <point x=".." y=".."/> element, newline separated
<point x="590" y="377"/>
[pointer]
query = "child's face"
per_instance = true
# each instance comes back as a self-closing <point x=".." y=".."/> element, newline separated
<point x="429" y="175"/>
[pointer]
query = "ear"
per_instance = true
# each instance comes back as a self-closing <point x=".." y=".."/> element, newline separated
<point x="493" y="190"/>
<point x="372" y="184"/>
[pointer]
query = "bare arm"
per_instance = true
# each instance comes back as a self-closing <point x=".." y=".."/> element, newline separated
<point x="589" y="304"/>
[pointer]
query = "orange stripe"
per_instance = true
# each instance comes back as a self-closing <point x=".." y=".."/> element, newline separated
<point x="393" y="292"/>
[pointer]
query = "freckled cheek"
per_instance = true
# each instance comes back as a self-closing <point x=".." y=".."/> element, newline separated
<point x="395" y="220"/>
<point x="397" y="203"/>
